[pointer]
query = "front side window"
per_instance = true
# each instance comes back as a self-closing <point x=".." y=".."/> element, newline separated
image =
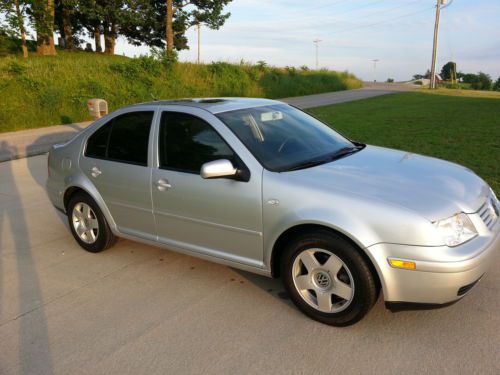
<point x="124" y="139"/>
<point x="187" y="142"/>
<point x="283" y="138"/>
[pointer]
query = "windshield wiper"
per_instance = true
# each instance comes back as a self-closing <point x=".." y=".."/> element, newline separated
<point x="346" y="151"/>
<point x="334" y="156"/>
<point x="308" y="164"/>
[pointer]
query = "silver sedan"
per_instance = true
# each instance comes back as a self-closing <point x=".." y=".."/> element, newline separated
<point x="261" y="186"/>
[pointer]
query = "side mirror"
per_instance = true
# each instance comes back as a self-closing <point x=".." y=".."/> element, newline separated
<point x="217" y="169"/>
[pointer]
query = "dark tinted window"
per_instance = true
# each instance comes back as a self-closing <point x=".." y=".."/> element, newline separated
<point x="98" y="142"/>
<point x="129" y="138"/>
<point x="187" y="142"/>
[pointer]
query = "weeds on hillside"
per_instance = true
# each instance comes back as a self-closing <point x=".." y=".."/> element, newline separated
<point x="52" y="90"/>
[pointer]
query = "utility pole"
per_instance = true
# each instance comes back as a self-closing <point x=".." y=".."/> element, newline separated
<point x="199" y="26"/>
<point x="375" y="69"/>
<point x="435" y="46"/>
<point x="441" y="4"/>
<point x="316" y="42"/>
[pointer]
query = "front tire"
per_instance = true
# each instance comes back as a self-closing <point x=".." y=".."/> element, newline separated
<point x="88" y="224"/>
<point x="328" y="279"/>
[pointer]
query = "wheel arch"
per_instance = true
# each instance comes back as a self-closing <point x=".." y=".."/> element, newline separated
<point x="72" y="190"/>
<point x="292" y="232"/>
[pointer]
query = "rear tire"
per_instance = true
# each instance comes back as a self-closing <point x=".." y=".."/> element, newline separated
<point x="328" y="279"/>
<point x="88" y="224"/>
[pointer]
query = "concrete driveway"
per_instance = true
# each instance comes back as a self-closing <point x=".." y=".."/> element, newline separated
<point x="136" y="309"/>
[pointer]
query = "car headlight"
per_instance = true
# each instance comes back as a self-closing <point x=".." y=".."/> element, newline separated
<point x="456" y="229"/>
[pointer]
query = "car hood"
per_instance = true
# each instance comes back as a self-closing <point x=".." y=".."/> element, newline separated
<point x="433" y="188"/>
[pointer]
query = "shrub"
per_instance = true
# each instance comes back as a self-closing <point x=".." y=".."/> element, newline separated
<point x="16" y="68"/>
<point x="262" y="65"/>
<point x="50" y="98"/>
<point x="390" y="80"/>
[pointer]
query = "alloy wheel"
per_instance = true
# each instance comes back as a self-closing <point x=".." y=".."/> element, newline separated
<point x="323" y="280"/>
<point x="85" y="223"/>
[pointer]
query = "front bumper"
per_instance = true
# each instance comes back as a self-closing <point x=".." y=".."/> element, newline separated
<point x="442" y="274"/>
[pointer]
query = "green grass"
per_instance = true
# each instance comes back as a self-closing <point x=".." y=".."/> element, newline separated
<point x="459" y="129"/>
<point x="43" y="91"/>
<point x="463" y="92"/>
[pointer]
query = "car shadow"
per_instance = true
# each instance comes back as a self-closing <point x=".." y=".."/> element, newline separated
<point x="34" y="353"/>
<point x="273" y="287"/>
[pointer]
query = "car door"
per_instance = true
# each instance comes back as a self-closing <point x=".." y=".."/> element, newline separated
<point x="217" y="217"/>
<point x="116" y="160"/>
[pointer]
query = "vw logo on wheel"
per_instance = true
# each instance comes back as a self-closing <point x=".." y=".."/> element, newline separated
<point x="323" y="280"/>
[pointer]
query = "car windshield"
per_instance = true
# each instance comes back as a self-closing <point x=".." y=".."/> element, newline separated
<point x="283" y="138"/>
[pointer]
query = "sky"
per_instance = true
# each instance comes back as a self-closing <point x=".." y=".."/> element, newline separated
<point x="399" y="33"/>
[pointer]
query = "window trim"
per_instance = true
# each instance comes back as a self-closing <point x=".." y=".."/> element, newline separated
<point x="243" y="174"/>
<point x="111" y="123"/>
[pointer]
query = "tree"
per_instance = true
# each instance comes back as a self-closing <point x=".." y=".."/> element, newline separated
<point x="104" y="17"/>
<point x="483" y="82"/>
<point x="468" y="77"/>
<point x="418" y="77"/>
<point x="449" y="71"/>
<point x="15" y="12"/>
<point x="496" y="86"/>
<point x="42" y="13"/>
<point x="163" y="23"/>
<point x="67" y="22"/>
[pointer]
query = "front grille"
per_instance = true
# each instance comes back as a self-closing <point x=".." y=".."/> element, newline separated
<point x="487" y="213"/>
<point x="468" y="287"/>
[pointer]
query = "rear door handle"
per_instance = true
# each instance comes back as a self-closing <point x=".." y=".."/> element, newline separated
<point x="163" y="184"/>
<point x="95" y="172"/>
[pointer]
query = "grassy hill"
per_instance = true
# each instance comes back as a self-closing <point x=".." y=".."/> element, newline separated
<point x="43" y="91"/>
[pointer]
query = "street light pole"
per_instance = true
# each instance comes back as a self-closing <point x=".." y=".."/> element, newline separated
<point x="375" y="61"/>
<point x="316" y="42"/>
<point x="199" y="53"/>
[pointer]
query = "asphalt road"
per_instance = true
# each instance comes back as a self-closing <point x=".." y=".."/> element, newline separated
<point x="369" y="90"/>
<point x="136" y="309"/>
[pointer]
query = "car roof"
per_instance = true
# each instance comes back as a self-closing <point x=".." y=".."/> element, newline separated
<point x="215" y="105"/>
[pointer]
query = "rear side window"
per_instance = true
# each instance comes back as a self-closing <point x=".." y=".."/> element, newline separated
<point x="98" y="142"/>
<point x="187" y="142"/>
<point x="124" y="139"/>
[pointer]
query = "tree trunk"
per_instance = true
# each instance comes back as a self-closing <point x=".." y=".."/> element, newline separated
<point x="45" y="30"/>
<point x="169" y="26"/>
<point x="110" y="39"/>
<point x="97" y="39"/>
<point x="22" y="30"/>
<point x="67" y="28"/>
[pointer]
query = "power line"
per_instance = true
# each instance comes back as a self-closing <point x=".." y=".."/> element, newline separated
<point x="315" y="16"/>
<point x="365" y="16"/>
<point x="381" y="22"/>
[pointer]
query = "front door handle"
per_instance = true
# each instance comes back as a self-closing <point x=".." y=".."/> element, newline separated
<point x="95" y="172"/>
<point x="163" y="184"/>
